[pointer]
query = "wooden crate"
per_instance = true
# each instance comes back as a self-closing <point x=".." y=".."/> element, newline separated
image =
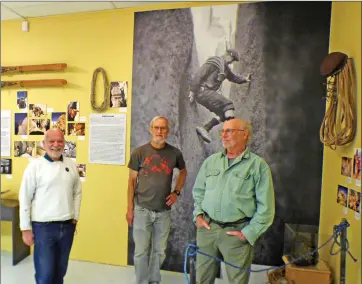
<point x="316" y="274"/>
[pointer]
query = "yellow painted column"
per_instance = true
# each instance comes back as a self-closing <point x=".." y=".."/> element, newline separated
<point x="345" y="36"/>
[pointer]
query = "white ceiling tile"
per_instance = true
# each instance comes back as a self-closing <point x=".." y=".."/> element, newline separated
<point x="52" y="7"/>
<point x="16" y="4"/>
<point x="129" y="4"/>
<point x="7" y="14"/>
<point x="134" y="3"/>
<point x="59" y="8"/>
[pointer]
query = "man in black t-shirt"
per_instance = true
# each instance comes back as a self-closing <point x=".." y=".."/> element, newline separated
<point x="150" y="199"/>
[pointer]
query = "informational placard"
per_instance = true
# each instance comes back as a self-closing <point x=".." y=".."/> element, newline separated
<point x="107" y="139"/>
<point x="5" y="133"/>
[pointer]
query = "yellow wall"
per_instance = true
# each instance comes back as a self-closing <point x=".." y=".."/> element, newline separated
<point x="345" y="37"/>
<point x="85" y="42"/>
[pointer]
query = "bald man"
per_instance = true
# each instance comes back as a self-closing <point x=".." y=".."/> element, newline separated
<point x="234" y="204"/>
<point x="50" y="197"/>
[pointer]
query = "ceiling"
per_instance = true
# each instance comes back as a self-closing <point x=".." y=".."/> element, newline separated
<point x="12" y="10"/>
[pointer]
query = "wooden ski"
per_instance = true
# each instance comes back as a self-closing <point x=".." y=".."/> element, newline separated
<point x="34" y="83"/>
<point x="30" y="68"/>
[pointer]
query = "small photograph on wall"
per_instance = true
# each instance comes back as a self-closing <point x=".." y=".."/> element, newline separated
<point x="73" y="111"/>
<point x="76" y="129"/>
<point x="357" y="166"/>
<point x="70" y="149"/>
<point x="82" y="171"/>
<point x="59" y="121"/>
<point x="21" y="124"/>
<point x="37" y="110"/>
<point x="39" y="126"/>
<point x="22" y="100"/>
<point x="24" y="149"/>
<point x="6" y="167"/>
<point x="118" y="95"/>
<point x="342" y="194"/>
<point x="346" y="167"/>
<point x="40" y="151"/>
<point x="354" y="200"/>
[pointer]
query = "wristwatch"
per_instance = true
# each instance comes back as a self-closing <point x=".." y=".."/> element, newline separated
<point x="177" y="192"/>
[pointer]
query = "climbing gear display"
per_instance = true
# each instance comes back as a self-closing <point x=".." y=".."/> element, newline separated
<point x="31" y="68"/>
<point x="339" y="232"/>
<point x="105" y="103"/>
<point x="339" y="124"/>
<point x="34" y="83"/>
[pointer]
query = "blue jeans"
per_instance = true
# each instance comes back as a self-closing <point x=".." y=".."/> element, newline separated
<point x="52" y="244"/>
<point x="150" y="234"/>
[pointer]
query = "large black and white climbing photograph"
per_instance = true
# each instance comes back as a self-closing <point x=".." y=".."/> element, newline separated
<point x="259" y="62"/>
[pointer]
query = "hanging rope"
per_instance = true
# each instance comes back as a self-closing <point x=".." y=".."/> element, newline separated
<point x="105" y="102"/>
<point x="339" y="124"/>
<point x="192" y="250"/>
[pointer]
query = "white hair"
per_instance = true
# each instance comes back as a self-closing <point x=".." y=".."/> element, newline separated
<point x="159" y="117"/>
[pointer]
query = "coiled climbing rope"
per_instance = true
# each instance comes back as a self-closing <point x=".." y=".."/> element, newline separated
<point x="339" y="124"/>
<point x="105" y="102"/>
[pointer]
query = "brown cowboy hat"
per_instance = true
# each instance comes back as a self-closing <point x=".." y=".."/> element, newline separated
<point x="333" y="63"/>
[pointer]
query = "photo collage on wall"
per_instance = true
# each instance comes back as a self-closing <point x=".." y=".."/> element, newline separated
<point x="348" y="197"/>
<point x="35" y="119"/>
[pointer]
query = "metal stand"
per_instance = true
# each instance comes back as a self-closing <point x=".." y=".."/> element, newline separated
<point x="192" y="263"/>
<point x="343" y="252"/>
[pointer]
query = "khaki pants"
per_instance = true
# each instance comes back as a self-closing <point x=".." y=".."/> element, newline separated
<point x="233" y="250"/>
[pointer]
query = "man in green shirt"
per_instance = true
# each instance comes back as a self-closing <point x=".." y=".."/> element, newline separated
<point x="234" y="205"/>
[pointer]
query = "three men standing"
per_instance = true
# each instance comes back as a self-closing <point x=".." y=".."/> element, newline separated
<point x="233" y="200"/>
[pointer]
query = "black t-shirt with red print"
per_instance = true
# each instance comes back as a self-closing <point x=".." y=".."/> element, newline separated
<point x="155" y="172"/>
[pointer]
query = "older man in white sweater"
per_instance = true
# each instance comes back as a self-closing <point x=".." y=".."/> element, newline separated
<point x="50" y="197"/>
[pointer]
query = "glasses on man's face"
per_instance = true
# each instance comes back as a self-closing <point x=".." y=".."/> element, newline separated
<point x="161" y="128"/>
<point x="229" y="131"/>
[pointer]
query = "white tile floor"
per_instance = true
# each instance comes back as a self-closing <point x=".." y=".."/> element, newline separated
<point x="80" y="272"/>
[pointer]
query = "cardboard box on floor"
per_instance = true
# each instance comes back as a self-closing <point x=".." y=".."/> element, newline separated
<point x="319" y="273"/>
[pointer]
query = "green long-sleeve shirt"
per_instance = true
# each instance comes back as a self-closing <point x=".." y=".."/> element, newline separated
<point x="230" y="193"/>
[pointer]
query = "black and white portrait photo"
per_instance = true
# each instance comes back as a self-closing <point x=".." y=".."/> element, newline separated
<point x="118" y="94"/>
<point x="70" y="149"/>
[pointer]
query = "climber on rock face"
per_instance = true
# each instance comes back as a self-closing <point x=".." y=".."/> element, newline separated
<point x="205" y="89"/>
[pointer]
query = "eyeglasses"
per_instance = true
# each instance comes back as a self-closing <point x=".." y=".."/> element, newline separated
<point x="229" y="131"/>
<point x="162" y="128"/>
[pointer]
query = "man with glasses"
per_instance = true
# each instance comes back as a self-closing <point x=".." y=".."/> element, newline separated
<point x="205" y="89"/>
<point x="150" y="199"/>
<point x="234" y="205"/>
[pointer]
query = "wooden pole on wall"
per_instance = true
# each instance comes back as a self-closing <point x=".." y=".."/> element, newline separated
<point x="34" y="83"/>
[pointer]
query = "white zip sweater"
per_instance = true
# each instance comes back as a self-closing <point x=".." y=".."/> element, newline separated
<point x="50" y="191"/>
